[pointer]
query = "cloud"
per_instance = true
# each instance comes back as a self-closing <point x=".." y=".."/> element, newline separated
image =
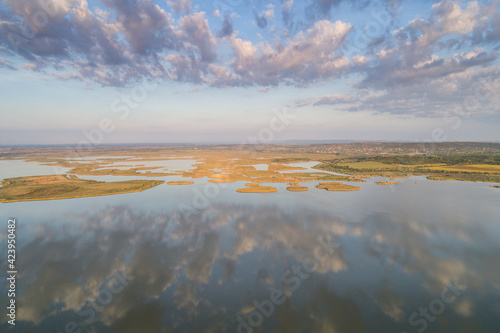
<point x="426" y="69"/>
<point x="194" y="30"/>
<point x="180" y="6"/>
<point x="261" y="21"/>
<point x="110" y="52"/>
<point x="286" y="11"/>
<point x="144" y="24"/>
<point x="322" y="8"/>
<point x="119" y="43"/>
<point x="307" y="57"/>
<point x="30" y="66"/>
<point x="467" y="93"/>
<point x="75" y="38"/>
<point x="264" y="16"/>
<point x="227" y="27"/>
<point x="6" y="63"/>
<point x="331" y="99"/>
<point x="416" y="69"/>
<point x="268" y="13"/>
<point x="170" y="261"/>
<point x="360" y="60"/>
<point x="201" y="260"/>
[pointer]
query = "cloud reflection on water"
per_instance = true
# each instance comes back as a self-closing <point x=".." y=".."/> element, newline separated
<point x="199" y="274"/>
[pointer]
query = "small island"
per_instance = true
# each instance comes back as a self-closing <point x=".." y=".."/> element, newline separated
<point x="54" y="187"/>
<point x="257" y="189"/>
<point x="180" y="182"/>
<point x="335" y="186"/>
<point x="297" y="188"/>
<point x="386" y="183"/>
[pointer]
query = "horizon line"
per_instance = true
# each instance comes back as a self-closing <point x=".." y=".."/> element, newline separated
<point x="215" y="143"/>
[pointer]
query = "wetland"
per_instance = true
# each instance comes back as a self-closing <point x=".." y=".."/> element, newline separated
<point x="343" y="255"/>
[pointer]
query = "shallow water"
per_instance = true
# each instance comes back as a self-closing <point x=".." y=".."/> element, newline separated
<point x="20" y="168"/>
<point x="203" y="258"/>
<point x="169" y="165"/>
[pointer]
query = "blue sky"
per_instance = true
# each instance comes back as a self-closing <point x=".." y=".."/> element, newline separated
<point x="218" y="71"/>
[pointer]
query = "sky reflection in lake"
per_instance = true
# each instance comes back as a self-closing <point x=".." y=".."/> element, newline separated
<point x="212" y="270"/>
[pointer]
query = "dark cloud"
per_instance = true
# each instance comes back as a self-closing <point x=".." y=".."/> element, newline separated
<point x="260" y="20"/>
<point x="227" y="27"/>
<point x="77" y="39"/>
<point x="144" y="24"/>
<point x="99" y="49"/>
<point x="229" y="268"/>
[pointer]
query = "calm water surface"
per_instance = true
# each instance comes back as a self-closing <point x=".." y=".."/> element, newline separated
<point x="419" y="256"/>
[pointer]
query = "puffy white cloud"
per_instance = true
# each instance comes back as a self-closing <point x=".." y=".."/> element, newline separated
<point x="268" y="13"/>
<point x="306" y="58"/>
<point x="360" y="60"/>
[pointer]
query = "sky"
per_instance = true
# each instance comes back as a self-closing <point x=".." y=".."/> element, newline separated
<point x="238" y="71"/>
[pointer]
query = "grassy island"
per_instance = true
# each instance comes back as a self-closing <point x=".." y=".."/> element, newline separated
<point x="66" y="187"/>
<point x="180" y="182"/>
<point x="495" y="186"/>
<point x="257" y="189"/>
<point x="334" y="186"/>
<point x="386" y="183"/>
<point x="297" y="188"/>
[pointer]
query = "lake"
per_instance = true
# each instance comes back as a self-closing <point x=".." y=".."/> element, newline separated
<point x="418" y="256"/>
